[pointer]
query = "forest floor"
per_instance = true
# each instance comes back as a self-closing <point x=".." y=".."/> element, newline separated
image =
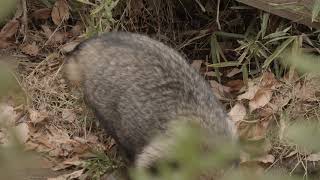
<point x="52" y="123"/>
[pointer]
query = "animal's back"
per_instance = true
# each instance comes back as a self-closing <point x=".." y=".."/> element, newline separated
<point x="136" y="85"/>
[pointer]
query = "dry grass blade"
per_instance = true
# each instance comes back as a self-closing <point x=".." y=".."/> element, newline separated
<point x="224" y="64"/>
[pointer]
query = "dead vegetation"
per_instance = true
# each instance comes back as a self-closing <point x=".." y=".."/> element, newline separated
<point x="237" y="49"/>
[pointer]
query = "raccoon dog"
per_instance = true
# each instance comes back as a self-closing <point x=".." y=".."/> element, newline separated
<point x="140" y="90"/>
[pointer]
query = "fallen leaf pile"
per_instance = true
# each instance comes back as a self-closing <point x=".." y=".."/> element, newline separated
<point x="263" y="102"/>
<point x="57" y="143"/>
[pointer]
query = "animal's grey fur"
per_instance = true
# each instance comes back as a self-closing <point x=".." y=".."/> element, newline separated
<point x="137" y="86"/>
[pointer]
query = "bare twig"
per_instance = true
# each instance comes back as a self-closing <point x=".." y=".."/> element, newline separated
<point x="24" y="18"/>
<point x="218" y="14"/>
<point x="203" y="9"/>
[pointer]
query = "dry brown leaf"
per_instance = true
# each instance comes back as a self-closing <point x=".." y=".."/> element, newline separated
<point x="42" y="14"/>
<point x="235" y="85"/>
<point x="22" y="132"/>
<point x="260" y="91"/>
<point x="196" y="64"/>
<point x="251" y="92"/>
<point x="4" y="43"/>
<point x="73" y="175"/>
<point x="261" y="98"/>
<point x="7" y="32"/>
<point x="58" y="143"/>
<point x="76" y="30"/>
<point x="59" y="136"/>
<point x="56" y="37"/>
<point x="75" y="161"/>
<point x="238" y="112"/>
<point x="219" y="90"/>
<point x="68" y="115"/>
<point x="30" y="49"/>
<point x="55" y="142"/>
<point x="37" y="116"/>
<point x="254" y="132"/>
<point x="60" y="12"/>
<point x="268" y="80"/>
<point x="9" y="29"/>
<point x="313" y="157"/>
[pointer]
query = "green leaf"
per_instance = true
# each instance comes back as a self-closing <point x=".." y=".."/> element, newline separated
<point x="243" y="55"/>
<point x="264" y="24"/>
<point x="229" y="35"/>
<point x="315" y="10"/>
<point x="215" y="55"/>
<point x="277" y="39"/>
<point x="278" y="51"/>
<point x="278" y="33"/>
<point x="245" y="74"/>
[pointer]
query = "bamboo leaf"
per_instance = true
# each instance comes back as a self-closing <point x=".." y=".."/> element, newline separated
<point x="277" y="39"/>
<point x="264" y="24"/>
<point x="278" y="51"/>
<point x="215" y="55"/>
<point x="245" y="74"/>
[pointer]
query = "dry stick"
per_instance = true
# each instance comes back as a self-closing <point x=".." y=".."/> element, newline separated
<point x="218" y="14"/>
<point x="21" y="13"/>
<point x="203" y="9"/>
<point x="24" y="18"/>
<point x="193" y="39"/>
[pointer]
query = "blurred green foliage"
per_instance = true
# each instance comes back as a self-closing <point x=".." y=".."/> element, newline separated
<point x="191" y="158"/>
<point x="100" y="19"/>
<point x="10" y="87"/>
<point x="7" y="10"/>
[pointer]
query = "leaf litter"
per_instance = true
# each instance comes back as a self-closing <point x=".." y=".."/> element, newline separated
<point x="54" y="128"/>
<point x="265" y="99"/>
